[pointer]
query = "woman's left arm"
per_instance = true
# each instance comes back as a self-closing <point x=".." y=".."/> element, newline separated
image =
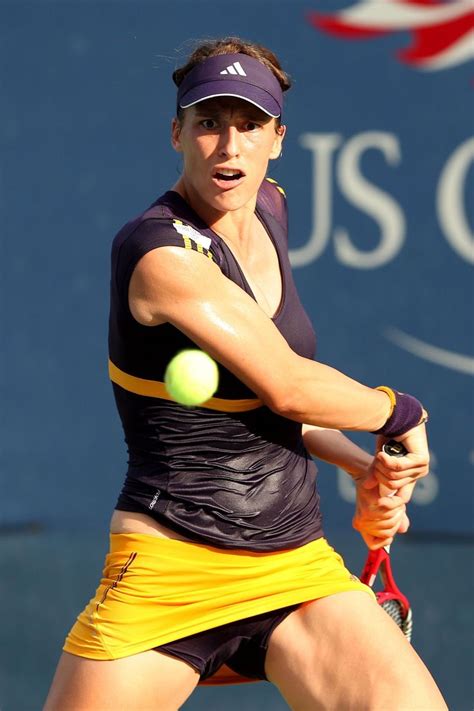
<point x="334" y="447"/>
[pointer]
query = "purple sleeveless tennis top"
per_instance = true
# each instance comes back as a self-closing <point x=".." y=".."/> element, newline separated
<point x="234" y="475"/>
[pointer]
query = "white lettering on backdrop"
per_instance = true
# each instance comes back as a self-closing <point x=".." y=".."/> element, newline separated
<point x="450" y="201"/>
<point x="375" y="202"/>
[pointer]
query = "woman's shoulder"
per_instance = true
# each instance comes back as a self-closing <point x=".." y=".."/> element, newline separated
<point x="272" y="199"/>
<point x="159" y="217"/>
<point x="167" y="222"/>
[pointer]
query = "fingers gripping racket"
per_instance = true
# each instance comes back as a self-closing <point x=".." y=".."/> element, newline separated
<point x="391" y="599"/>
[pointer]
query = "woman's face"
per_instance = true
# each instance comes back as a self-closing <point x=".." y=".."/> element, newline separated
<point x="226" y="144"/>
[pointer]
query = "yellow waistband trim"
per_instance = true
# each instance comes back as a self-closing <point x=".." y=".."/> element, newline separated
<point x="155" y="388"/>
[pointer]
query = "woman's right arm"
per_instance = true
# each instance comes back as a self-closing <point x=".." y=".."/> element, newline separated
<point x="170" y="284"/>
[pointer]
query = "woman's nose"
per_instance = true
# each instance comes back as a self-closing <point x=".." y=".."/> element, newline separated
<point x="230" y="142"/>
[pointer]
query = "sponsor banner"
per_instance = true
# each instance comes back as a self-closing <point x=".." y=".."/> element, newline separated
<point x="378" y="167"/>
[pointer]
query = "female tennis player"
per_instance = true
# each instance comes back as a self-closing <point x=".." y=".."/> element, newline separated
<point x="218" y="569"/>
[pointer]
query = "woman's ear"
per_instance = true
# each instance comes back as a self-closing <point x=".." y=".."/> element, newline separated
<point x="277" y="149"/>
<point x="176" y="135"/>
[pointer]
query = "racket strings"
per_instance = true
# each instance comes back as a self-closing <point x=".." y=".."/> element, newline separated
<point x="394" y="609"/>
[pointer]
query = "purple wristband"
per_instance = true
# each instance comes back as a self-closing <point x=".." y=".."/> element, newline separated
<point x="407" y="413"/>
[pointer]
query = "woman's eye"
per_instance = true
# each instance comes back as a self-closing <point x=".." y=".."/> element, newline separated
<point x="208" y="123"/>
<point x="251" y="126"/>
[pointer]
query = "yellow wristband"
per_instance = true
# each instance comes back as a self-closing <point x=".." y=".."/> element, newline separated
<point x="391" y="394"/>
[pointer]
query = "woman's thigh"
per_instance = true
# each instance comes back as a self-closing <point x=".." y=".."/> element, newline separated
<point x="343" y="652"/>
<point x="142" y="682"/>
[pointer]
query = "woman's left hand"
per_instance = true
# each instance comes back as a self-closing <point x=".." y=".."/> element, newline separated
<point x="378" y="518"/>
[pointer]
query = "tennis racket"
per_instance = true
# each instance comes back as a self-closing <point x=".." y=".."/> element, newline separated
<point x="391" y="599"/>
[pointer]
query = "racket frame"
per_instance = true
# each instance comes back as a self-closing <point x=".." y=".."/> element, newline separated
<point x="378" y="562"/>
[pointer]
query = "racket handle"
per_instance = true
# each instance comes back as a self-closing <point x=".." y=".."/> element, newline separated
<point x="394" y="449"/>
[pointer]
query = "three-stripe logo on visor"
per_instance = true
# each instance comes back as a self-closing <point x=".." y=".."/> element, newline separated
<point x="235" y="68"/>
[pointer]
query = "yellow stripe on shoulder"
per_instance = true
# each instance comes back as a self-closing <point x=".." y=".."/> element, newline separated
<point x="278" y="187"/>
<point x="155" y="388"/>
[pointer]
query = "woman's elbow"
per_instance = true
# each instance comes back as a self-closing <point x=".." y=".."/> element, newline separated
<point x="285" y="400"/>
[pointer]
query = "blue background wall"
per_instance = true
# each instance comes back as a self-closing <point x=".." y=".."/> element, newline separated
<point x="378" y="167"/>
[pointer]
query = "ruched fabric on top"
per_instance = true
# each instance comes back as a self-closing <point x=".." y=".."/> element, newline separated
<point x="235" y="474"/>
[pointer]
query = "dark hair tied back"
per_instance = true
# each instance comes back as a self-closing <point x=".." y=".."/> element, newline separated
<point x="233" y="45"/>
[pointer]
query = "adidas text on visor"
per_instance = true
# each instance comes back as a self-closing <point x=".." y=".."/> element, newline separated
<point x="232" y="75"/>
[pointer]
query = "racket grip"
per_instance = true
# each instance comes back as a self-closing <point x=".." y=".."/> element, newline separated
<point x="394" y="449"/>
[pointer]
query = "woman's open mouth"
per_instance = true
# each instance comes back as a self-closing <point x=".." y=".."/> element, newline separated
<point x="227" y="177"/>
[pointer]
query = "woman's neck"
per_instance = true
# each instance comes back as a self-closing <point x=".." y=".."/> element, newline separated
<point x="234" y="226"/>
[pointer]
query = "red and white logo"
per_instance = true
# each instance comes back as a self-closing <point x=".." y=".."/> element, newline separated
<point x="442" y="32"/>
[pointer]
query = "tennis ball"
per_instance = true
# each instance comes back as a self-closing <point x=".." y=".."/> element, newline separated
<point x="191" y="377"/>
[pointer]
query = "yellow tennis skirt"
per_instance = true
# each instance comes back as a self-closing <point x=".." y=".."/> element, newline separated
<point x="157" y="590"/>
